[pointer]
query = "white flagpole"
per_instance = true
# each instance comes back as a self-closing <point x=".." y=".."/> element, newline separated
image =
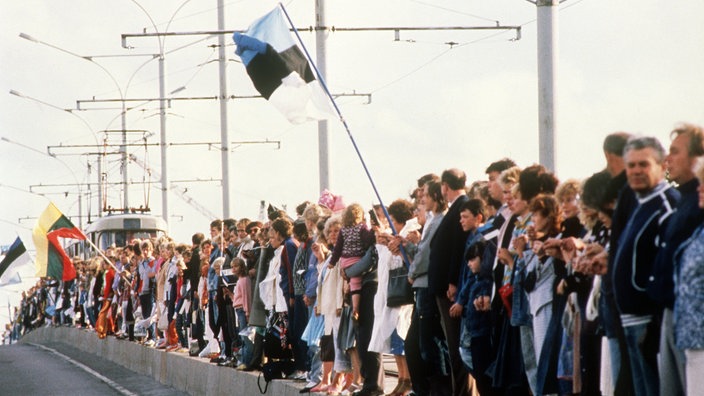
<point x="100" y="252"/>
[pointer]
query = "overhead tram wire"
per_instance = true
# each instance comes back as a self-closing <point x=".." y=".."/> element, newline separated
<point x="433" y="59"/>
<point x="436" y="57"/>
<point x="455" y="11"/>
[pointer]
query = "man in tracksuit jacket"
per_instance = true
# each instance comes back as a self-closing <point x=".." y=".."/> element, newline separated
<point x="635" y="255"/>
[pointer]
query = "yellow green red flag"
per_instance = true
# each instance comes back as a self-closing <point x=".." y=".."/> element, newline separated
<point x="51" y="258"/>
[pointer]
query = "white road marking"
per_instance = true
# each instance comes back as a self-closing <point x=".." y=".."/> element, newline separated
<point x="89" y="370"/>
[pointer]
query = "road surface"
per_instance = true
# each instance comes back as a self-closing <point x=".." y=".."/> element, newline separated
<point x="58" y="369"/>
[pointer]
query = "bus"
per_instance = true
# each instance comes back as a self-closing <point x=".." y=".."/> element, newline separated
<point x="118" y="230"/>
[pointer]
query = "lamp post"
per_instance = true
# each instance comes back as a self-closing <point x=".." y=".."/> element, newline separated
<point x="123" y="113"/>
<point x="162" y="111"/>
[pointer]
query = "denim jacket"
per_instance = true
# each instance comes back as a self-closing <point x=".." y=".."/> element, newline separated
<point x="520" y="310"/>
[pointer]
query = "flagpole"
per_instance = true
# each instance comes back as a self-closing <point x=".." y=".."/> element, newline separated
<point x="100" y="252"/>
<point x="347" y="128"/>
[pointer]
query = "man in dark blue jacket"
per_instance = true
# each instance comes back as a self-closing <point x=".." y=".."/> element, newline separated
<point x="635" y="256"/>
<point x="686" y="147"/>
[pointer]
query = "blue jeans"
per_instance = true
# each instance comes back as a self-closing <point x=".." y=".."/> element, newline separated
<point x="643" y="358"/>
<point x="90" y="313"/>
<point x="241" y="325"/>
<point x="315" y="374"/>
<point x="615" y="354"/>
<point x="181" y="329"/>
<point x="246" y="346"/>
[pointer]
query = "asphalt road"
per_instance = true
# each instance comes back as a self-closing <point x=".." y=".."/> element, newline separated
<point x="58" y="369"/>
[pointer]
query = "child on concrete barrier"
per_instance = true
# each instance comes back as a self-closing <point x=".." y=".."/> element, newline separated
<point x="354" y="240"/>
<point x="242" y="301"/>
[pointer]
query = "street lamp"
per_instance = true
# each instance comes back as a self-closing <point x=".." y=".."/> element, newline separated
<point x="162" y="110"/>
<point x="123" y="114"/>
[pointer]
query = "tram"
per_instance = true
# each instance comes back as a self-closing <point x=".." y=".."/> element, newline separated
<point x="118" y="230"/>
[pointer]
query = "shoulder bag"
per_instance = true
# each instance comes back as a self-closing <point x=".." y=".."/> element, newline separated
<point x="399" y="291"/>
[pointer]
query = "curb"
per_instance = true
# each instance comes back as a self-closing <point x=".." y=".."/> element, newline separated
<point x="192" y="375"/>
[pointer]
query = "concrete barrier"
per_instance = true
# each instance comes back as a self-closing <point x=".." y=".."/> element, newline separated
<point x="193" y="375"/>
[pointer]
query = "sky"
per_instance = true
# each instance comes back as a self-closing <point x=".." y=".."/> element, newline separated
<point x="621" y="67"/>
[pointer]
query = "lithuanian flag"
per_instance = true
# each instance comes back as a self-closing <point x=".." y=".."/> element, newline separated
<point x="51" y="259"/>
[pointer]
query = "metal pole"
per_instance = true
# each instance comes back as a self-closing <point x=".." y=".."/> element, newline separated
<point x="224" y="138"/>
<point x="101" y="199"/>
<point x="80" y="209"/>
<point x="323" y="144"/>
<point x="162" y="128"/>
<point x="547" y="65"/>
<point x="123" y="149"/>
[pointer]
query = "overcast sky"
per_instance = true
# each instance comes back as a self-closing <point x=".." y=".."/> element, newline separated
<point x="636" y="67"/>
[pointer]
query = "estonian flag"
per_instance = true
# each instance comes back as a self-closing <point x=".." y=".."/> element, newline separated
<point x="280" y="71"/>
<point x="15" y="257"/>
<point x="51" y="258"/>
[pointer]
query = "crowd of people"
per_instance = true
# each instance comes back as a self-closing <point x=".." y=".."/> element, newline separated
<point x="520" y="284"/>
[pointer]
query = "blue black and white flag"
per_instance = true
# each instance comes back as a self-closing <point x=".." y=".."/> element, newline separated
<point x="15" y="257"/>
<point x="279" y="69"/>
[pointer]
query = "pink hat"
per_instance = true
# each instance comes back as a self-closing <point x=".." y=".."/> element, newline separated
<point x="331" y="201"/>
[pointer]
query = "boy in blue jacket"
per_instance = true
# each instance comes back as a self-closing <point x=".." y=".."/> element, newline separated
<point x="475" y="343"/>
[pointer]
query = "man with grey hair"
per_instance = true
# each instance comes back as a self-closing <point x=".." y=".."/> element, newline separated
<point x="634" y="258"/>
<point x="687" y="146"/>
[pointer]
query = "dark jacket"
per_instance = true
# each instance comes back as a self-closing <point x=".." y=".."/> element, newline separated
<point x="637" y="247"/>
<point x="625" y="204"/>
<point x="288" y="256"/>
<point x="257" y="315"/>
<point x="680" y="226"/>
<point x="192" y="272"/>
<point x="447" y="250"/>
<point x="478" y="322"/>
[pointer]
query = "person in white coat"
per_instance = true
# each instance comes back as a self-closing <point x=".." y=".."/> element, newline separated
<point x="391" y="324"/>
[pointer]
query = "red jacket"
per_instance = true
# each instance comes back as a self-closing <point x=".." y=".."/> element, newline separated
<point x="109" y="278"/>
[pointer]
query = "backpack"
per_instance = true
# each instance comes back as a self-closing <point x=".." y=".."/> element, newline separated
<point x="274" y="369"/>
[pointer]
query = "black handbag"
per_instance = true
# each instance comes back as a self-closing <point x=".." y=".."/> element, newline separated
<point x="273" y="370"/>
<point x="275" y="342"/>
<point x="399" y="292"/>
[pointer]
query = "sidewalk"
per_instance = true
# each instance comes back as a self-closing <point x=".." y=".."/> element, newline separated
<point x="192" y="375"/>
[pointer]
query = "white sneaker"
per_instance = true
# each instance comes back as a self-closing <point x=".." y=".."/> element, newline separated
<point x="205" y="352"/>
<point x="297" y="375"/>
<point x="310" y="384"/>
